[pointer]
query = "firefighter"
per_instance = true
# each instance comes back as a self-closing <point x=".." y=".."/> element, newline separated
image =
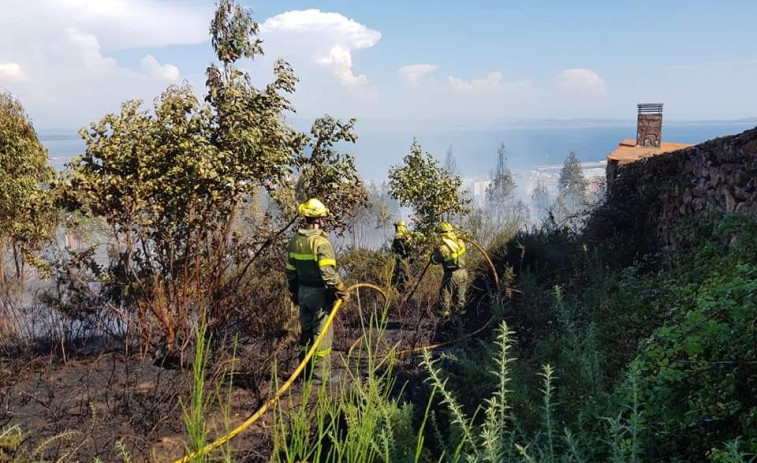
<point x="401" y="250"/>
<point x="450" y="254"/>
<point x="314" y="283"/>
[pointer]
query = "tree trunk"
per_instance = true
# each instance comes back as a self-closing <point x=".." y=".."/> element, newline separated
<point x="16" y="259"/>
<point x="2" y="263"/>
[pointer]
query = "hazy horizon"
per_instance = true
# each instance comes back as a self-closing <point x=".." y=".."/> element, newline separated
<point x="475" y="147"/>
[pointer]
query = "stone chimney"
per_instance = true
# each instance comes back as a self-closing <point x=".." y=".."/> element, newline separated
<point x="649" y="125"/>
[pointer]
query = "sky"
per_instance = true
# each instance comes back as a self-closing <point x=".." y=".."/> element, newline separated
<point x="397" y="63"/>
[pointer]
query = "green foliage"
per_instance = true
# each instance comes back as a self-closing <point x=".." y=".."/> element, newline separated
<point x="331" y="176"/>
<point x="732" y="452"/>
<point x="450" y="162"/>
<point x="572" y="185"/>
<point x="541" y="200"/>
<point x="231" y="31"/>
<point x="433" y="193"/>
<point x="183" y="187"/>
<point x="665" y="345"/>
<point x="501" y="190"/>
<point x="26" y="214"/>
<point x="199" y="400"/>
<point x="255" y="145"/>
<point x="14" y="446"/>
<point x="355" y="420"/>
<point x="501" y="437"/>
<point x="698" y="368"/>
<point x="155" y="178"/>
<point x="572" y="182"/>
<point x="502" y="210"/>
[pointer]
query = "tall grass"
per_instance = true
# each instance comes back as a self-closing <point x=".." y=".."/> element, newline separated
<point x="199" y="404"/>
<point x="357" y="416"/>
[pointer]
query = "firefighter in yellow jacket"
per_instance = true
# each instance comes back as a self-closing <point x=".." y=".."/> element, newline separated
<point x="450" y="254"/>
<point x="314" y="283"/>
<point x="401" y="251"/>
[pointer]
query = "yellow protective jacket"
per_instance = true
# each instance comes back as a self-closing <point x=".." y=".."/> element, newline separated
<point x="401" y="244"/>
<point x="450" y="253"/>
<point x="312" y="261"/>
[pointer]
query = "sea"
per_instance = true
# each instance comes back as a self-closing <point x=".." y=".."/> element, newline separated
<point x="475" y="149"/>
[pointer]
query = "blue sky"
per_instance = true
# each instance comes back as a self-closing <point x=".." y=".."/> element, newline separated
<point x="439" y="62"/>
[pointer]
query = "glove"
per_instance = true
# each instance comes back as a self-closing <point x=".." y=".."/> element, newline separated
<point x="341" y="292"/>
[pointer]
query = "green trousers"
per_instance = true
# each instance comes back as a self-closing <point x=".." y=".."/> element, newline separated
<point x="315" y="305"/>
<point x="452" y="293"/>
<point x="400" y="275"/>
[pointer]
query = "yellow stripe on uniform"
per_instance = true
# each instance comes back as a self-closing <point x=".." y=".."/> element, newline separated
<point x="326" y="262"/>
<point x="297" y="256"/>
<point x="291" y="267"/>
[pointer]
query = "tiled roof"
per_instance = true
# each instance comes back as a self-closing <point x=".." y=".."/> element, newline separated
<point x="627" y="151"/>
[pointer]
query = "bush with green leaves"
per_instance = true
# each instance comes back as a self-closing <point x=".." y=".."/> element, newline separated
<point x="699" y="368"/>
<point x="175" y="186"/>
<point x="27" y="218"/>
<point x="331" y="176"/>
<point x="683" y="322"/>
<point x="421" y="183"/>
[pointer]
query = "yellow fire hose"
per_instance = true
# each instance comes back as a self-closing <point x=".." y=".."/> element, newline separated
<point x="446" y="343"/>
<point x="486" y="257"/>
<point x="284" y="387"/>
<point x="309" y="355"/>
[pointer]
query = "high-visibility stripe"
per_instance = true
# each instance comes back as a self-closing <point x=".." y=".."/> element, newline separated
<point x="310" y="257"/>
<point x="297" y="256"/>
<point x="326" y="262"/>
<point x="291" y="267"/>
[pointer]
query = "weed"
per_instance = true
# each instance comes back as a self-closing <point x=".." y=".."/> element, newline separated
<point x="195" y="413"/>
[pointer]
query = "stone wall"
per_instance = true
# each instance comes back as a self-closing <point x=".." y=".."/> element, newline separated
<point x="653" y="194"/>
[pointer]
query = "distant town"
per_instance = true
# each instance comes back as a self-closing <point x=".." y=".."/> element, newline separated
<point x="527" y="180"/>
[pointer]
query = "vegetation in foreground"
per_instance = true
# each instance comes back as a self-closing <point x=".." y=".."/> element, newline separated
<point x="651" y="361"/>
<point x="647" y="358"/>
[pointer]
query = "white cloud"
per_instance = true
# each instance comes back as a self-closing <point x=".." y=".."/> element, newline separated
<point x="339" y="27"/>
<point x="11" y="72"/>
<point x="491" y="82"/>
<point x="413" y="74"/>
<point x="582" y="82"/>
<point x="88" y="48"/>
<point x="123" y="24"/>
<point x="339" y="60"/>
<point x="58" y="54"/>
<point x="168" y="72"/>
<point x="328" y="40"/>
